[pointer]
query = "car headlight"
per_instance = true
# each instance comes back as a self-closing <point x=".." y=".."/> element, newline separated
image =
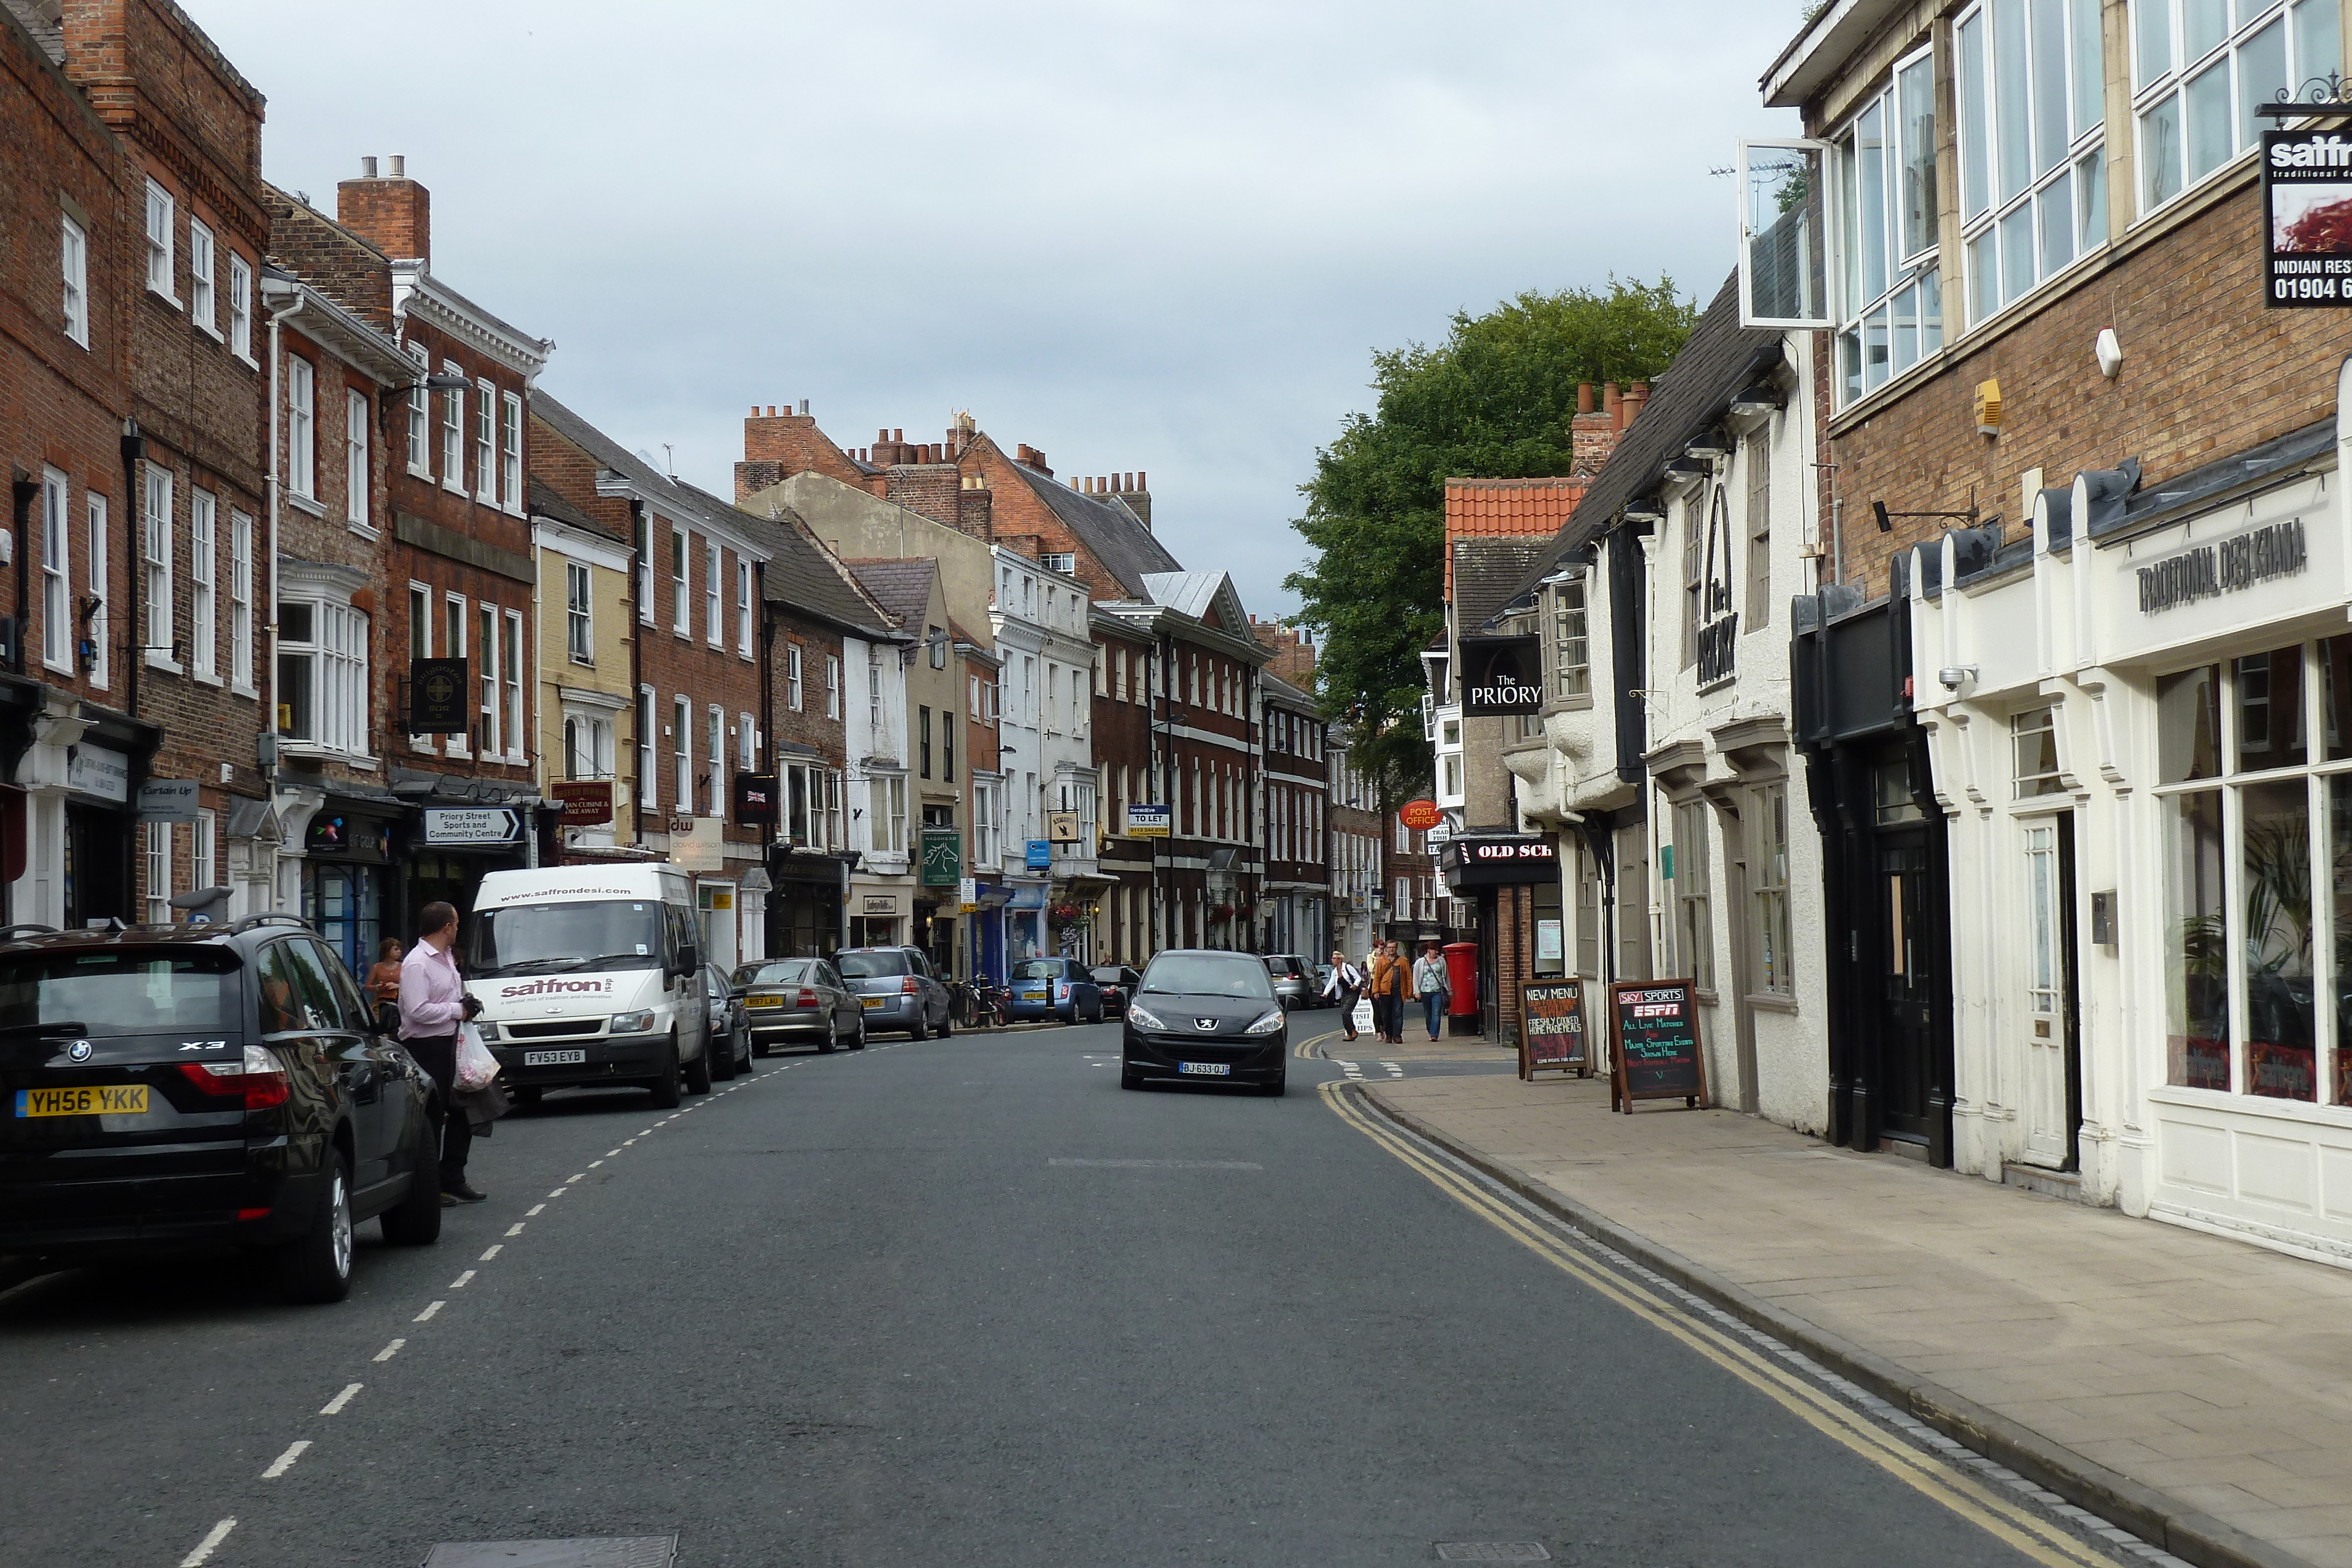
<point x="1266" y="1025"/>
<point x="489" y="1030"/>
<point x="632" y="1023"/>
<point x="1137" y="1014"/>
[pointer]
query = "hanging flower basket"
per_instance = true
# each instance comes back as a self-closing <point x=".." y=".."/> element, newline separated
<point x="1066" y="916"/>
<point x="1222" y="912"/>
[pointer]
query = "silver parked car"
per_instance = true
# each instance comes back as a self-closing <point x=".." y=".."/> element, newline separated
<point x="899" y="990"/>
<point x="796" y="1001"/>
<point x="730" y="1047"/>
<point x="1294" y="986"/>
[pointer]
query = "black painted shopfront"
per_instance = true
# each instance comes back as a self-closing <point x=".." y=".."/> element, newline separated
<point x="1884" y="864"/>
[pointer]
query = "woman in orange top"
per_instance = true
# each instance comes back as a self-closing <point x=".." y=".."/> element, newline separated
<point x="384" y="982"/>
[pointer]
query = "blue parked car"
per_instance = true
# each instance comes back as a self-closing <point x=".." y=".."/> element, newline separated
<point x="1055" y="987"/>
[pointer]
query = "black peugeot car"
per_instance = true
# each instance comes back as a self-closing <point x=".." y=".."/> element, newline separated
<point x="182" y="1086"/>
<point x="1203" y="1016"/>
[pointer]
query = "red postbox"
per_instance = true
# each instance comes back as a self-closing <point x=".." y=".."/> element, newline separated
<point x="1462" y="979"/>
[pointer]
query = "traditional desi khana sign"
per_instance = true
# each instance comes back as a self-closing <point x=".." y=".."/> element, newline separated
<point x="2307" y="217"/>
<point x="2222" y="566"/>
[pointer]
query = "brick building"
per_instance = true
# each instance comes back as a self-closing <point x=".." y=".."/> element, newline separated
<point x="1123" y="742"/>
<point x="1295" y="914"/>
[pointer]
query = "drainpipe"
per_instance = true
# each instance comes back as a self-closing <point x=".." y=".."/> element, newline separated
<point x="275" y="287"/>
<point x="134" y="453"/>
<point x="24" y="490"/>
<point x="638" y="707"/>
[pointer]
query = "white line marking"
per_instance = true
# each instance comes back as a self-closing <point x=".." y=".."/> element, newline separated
<point x="569" y="1181"/>
<point x="488" y="1255"/>
<point x="530" y="1213"/>
<point x="516" y="1229"/>
<point x="594" y="1163"/>
<point x="335" y="1406"/>
<point x="213" y="1538"/>
<point x="459" y="1282"/>
<point x="1164" y="1165"/>
<point x="285" y="1461"/>
<point x="388" y="1351"/>
<point x="648" y="1130"/>
<point x="427" y="1313"/>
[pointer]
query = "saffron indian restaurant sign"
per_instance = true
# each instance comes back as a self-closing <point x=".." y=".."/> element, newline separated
<point x="2308" y="218"/>
<point x="1501" y="676"/>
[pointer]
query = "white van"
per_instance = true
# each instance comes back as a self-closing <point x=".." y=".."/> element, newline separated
<point x="591" y="974"/>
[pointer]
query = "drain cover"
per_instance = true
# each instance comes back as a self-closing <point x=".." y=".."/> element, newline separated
<point x="1492" y="1551"/>
<point x="589" y="1552"/>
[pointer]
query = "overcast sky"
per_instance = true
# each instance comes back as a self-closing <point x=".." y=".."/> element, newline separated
<point x="1155" y="235"/>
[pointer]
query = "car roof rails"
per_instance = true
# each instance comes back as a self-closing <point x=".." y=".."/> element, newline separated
<point x="13" y="932"/>
<point x="277" y="918"/>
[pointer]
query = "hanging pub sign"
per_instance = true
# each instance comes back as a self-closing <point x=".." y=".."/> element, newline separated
<point x="755" y="800"/>
<point x="2307" y="217"/>
<point x="942" y="857"/>
<point x="1501" y="676"/>
<point x="586" y="802"/>
<point x="1657" y="1053"/>
<point x="1552" y="1040"/>
<point x="437" y="696"/>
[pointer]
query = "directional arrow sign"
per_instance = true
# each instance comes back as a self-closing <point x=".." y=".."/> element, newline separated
<point x="471" y="825"/>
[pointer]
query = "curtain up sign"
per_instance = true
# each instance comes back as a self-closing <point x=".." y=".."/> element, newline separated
<point x="2308" y="218"/>
<point x="1553" y="1037"/>
<point x="1658" y="1044"/>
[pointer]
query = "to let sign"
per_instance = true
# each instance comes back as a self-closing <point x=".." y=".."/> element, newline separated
<point x="1658" y="1044"/>
<point x="1148" y="821"/>
<point x="1552" y="1036"/>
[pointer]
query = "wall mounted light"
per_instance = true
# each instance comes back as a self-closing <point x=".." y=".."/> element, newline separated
<point x="2110" y="353"/>
<point x="1756" y="401"/>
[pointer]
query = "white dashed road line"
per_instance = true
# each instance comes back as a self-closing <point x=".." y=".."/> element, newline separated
<point x="516" y="1229"/>
<point x="427" y="1315"/>
<point x="388" y="1351"/>
<point x="1394" y="1071"/>
<point x="285" y="1461"/>
<point x="335" y="1406"/>
<point x="459" y="1282"/>
<point x="209" y="1544"/>
<point x="486" y="1256"/>
<point x="533" y="1211"/>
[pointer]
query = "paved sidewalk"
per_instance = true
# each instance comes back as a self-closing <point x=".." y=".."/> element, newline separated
<point x="2168" y="1378"/>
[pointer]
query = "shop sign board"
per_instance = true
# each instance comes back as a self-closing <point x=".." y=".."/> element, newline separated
<point x="880" y="904"/>
<point x="1062" y="827"/>
<point x="1040" y="855"/>
<point x="99" y="771"/>
<point x="1718" y="630"/>
<point x="701" y="846"/>
<point x="587" y="802"/>
<point x="2227" y="565"/>
<point x="1657" y="1055"/>
<point x="1499" y="860"/>
<point x="942" y="857"/>
<point x="755" y="800"/>
<point x="1148" y="821"/>
<point x="1420" y="815"/>
<point x="472" y="825"/>
<point x="1552" y="1036"/>
<point x="438" y="695"/>
<point x="167" y="801"/>
<point x="968" y="895"/>
<point x="1501" y="676"/>
<point x="2306" y="218"/>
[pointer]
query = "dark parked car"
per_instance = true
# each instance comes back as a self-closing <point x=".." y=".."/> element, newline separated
<point x="1205" y="1017"/>
<point x="1055" y="987"/>
<point x="796" y="1001"/>
<point x="1292" y="987"/>
<point x="729" y="1046"/>
<point x="1118" y="984"/>
<point x="899" y="990"/>
<point x="174" y="1086"/>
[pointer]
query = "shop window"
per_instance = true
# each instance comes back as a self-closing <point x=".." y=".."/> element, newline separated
<point x="2033" y="144"/>
<point x="2274" y="877"/>
<point x="2188" y="726"/>
<point x="1769" y="874"/>
<point x="2198" y="76"/>
<point x="2197" y="960"/>
<point x="2270" y="710"/>
<point x="2033" y="745"/>
<point x="1896" y="803"/>
<point x="1588" y="913"/>
<point x="1891" y="297"/>
<point x="1694" y="864"/>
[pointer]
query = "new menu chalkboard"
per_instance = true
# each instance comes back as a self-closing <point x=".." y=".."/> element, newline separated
<point x="1658" y="1044"/>
<point x="1553" y="1037"/>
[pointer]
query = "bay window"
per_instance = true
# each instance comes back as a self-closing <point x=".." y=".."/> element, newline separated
<point x="2197" y="77"/>
<point x="1571" y="658"/>
<point x="2032" y="111"/>
<point x="322" y="672"/>
<point x="1891" y="304"/>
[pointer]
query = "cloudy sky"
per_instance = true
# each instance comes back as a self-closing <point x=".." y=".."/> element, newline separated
<point x="1149" y="235"/>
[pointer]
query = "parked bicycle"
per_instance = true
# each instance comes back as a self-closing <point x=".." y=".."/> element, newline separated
<point x="978" y="1004"/>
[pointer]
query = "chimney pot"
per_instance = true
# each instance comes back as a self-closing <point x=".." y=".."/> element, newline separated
<point x="897" y="436"/>
<point x="1584" y="397"/>
<point x="803" y="408"/>
<point x="1141" y="482"/>
<point x="400" y="166"/>
<point x="367" y="168"/>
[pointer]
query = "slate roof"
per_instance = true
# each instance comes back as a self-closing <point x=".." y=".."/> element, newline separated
<point x="1718" y="361"/>
<point x="1487" y="572"/>
<point x="1110" y="533"/>
<point x="1277" y="687"/>
<point x="1186" y="592"/>
<point x="802" y="574"/>
<point x="547" y="502"/>
<point x="902" y="587"/>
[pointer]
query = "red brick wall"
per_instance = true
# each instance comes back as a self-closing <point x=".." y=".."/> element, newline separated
<point x="395" y="217"/>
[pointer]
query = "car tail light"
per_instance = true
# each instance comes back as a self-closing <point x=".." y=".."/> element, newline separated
<point x="259" y="1080"/>
<point x="1061" y="990"/>
<point x="807" y="998"/>
<point x="906" y="988"/>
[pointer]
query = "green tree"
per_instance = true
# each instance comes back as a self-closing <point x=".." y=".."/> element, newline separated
<point x="1493" y="400"/>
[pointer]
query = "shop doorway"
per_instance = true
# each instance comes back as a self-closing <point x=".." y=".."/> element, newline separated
<point x="97" y="866"/>
<point x="2053" y="1089"/>
<point x="1906" y="997"/>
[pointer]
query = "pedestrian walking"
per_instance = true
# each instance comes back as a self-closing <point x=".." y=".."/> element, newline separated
<point x="1430" y="978"/>
<point x="1345" y="981"/>
<point x="1391" y="988"/>
<point x="1400" y="974"/>
<point x="433" y="1003"/>
<point x="383" y="983"/>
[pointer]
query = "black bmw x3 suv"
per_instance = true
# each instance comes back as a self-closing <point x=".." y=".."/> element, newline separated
<point x="174" y="1087"/>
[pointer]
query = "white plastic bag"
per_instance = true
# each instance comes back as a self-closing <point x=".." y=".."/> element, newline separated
<point x="1364" y="1016"/>
<point x="475" y="1065"/>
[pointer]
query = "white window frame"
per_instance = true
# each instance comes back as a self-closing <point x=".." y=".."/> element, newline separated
<point x="204" y="858"/>
<point x="155" y="557"/>
<point x="94" y="514"/>
<point x="356" y="477"/>
<point x="832" y="685"/>
<point x="517" y="730"/>
<point x="680" y="555"/>
<point x="648" y="759"/>
<point x="714" y="735"/>
<point x="681" y="750"/>
<point x="204" y="259"/>
<point x="336" y="651"/>
<point x="420" y="416"/>
<point x="2080" y="168"/>
<point x="747" y="743"/>
<point x="1893" y="321"/>
<point x="486" y="442"/>
<point x="240" y="603"/>
<point x="56" y="572"/>
<point x="453" y="432"/>
<point x="203" y="585"/>
<point x="488" y="707"/>
<point x="456" y="634"/>
<point x="579" y="613"/>
<point x="163" y="224"/>
<point x="73" y="266"/>
<point x="510" y="452"/>
<point x="712" y="564"/>
<point x="792" y="676"/>
<point x="240" y="308"/>
<point x="645" y="565"/>
<point x="159" y="872"/>
<point x="742" y="607"/>
<point x="301" y="427"/>
<point x="2166" y="22"/>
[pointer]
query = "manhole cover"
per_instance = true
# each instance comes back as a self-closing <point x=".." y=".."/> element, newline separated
<point x="1492" y="1551"/>
<point x="590" y="1552"/>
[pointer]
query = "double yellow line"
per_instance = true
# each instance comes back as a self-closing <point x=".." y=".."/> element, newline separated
<point x="2036" y="1538"/>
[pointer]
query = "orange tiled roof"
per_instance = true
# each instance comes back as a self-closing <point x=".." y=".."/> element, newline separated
<point x="1509" y="509"/>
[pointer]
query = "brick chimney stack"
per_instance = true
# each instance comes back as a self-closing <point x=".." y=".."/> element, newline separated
<point x="1591" y="436"/>
<point x="390" y="211"/>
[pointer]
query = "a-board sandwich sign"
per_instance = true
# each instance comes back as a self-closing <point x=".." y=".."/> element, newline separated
<point x="1552" y="1038"/>
<point x="1658" y="1054"/>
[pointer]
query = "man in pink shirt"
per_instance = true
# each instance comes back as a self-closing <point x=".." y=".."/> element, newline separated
<point x="433" y="1003"/>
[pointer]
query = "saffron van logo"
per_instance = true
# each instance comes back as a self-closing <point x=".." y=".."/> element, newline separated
<point x="555" y="986"/>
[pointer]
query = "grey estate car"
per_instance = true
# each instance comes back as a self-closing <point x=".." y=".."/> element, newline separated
<point x="898" y="989"/>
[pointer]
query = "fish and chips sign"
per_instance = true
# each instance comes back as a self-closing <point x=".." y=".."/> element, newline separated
<point x="2307" y="217"/>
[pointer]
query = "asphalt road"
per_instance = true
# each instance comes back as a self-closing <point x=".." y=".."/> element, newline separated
<point x="958" y="1302"/>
